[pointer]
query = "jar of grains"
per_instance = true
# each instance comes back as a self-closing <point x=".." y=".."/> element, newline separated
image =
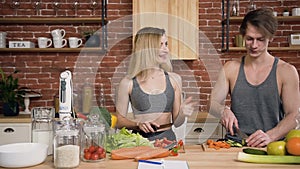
<point x="66" y="144"/>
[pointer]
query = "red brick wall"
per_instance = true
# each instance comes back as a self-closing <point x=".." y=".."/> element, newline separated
<point x="40" y="71"/>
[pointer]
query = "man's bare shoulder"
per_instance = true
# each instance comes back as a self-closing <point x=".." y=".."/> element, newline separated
<point x="232" y="65"/>
<point x="285" y="69"/>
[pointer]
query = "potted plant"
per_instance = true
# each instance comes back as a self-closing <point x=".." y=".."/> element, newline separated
<point x="92" y="38"/>
<point x="286" y="12"/>
<point x="10" y="94"/>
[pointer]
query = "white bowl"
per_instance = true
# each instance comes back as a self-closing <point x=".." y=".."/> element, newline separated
<point x="22" y="154"/>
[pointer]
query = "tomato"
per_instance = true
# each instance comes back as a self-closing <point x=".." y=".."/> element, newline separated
<point x="103" y="155"/>
<point x="180" y="143"/>
<point x="86" y="150"/>
<point x="92" y="149"/>
<point x="95" y="156"/>
<point x="87" y="155"/>
<point x="100" y="150"/>
<point x="173" y="153"/>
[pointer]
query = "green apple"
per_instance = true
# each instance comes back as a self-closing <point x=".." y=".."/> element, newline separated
<point x="276" y="148"/>
<point x="292" y="133"/>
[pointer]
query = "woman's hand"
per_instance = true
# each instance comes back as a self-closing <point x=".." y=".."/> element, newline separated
<point x="187" y="107"/>
<point x="147" y="127"/>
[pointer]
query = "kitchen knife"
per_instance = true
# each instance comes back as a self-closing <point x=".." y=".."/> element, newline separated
<point x="240" y="133"/>
<point x="161" y="126"/>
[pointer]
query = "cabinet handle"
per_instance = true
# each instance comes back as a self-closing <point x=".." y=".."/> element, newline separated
<point x="198" y="130"/>
<point x="9" y="130"/>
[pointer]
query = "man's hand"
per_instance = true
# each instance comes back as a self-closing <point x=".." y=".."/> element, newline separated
<point x="258" y="139"/>
<point x="228" y="120"/>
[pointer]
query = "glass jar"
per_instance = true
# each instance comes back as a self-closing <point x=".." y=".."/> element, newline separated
<point x="66" y="144"/>
<point x="93" y="139"/>
<point x="42" y="126"/>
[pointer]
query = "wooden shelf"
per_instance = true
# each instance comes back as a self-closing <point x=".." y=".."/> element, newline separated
<point x="279" y="18"/>
<point x="49" y="50"/>
<point x="61" y="20"/>
<point x="236" y="49"/>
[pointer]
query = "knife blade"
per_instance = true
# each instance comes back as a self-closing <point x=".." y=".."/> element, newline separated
<point x="161" y="126"/>
<point x="240" y="133"/>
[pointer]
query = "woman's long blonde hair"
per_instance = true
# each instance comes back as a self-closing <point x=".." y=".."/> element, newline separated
<point x="145" y="53"/>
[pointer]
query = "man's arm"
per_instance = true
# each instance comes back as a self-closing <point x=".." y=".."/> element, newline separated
<point x="290" y="99"/>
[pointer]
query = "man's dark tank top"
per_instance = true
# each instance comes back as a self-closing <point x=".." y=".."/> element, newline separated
<point x="257" y="106"/>
<point x="143" y="103"/>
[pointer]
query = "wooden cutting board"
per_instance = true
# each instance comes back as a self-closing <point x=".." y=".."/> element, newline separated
<point x="231" y="149"/>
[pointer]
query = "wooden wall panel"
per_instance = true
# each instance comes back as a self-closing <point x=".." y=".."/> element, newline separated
<point x="178" y="18"/>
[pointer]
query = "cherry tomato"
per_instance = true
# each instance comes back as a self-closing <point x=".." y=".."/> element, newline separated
<point x="173" y="153"/>
<point x="103" y="155"/>
<point x="87" y="155"/>
<point x="95" y="156"/>
<point x="180" y="142"/>
<point x="92" y="149"/>
<point x="86" y="150"/>
<point x="100" y="150"/>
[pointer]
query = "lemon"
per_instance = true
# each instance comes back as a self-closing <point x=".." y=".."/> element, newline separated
<point x="113" y="121"/>
<point x="276" y="148"/>
<point x="292" y="133"/>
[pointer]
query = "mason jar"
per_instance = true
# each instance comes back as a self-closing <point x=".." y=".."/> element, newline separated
<point x="66" y="144"/>
<point x="93" y="140"/>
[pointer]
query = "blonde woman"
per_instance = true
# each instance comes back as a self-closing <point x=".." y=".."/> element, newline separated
<point x="151" y="87"/>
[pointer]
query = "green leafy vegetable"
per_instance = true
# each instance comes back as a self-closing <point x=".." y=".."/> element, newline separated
<point x="125" y="138"/>
<point x="104" y="115"/>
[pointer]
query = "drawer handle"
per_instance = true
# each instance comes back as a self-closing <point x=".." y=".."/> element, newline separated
<point x="9" y="130"/>
<point x="198" y="130"/>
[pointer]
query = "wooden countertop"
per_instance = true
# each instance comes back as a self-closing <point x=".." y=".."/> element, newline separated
<point x="21" y="118"/>
<point x="194" y="155"/>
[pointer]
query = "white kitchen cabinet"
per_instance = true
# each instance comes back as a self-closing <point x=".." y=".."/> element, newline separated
<point x="213" y="131"/>
<point x="211" y="128"/>
<point x="15" y="129"/>
<point x="15" y="133"/>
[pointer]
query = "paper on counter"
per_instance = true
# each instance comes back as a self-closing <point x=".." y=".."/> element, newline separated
<point x="168" y="164"/>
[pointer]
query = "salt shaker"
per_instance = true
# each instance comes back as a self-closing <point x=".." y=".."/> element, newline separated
<point x="66" y="144"/>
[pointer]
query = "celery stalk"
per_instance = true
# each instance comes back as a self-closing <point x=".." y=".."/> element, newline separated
<point x="287" y="159"/>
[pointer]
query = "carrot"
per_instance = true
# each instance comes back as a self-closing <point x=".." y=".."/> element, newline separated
<point x="153" y="153"/>
<point x="209" y="141"/>
<point x="217" y="144"/>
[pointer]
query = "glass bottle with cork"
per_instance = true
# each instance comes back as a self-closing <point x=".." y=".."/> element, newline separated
<point x="87" y="98"/>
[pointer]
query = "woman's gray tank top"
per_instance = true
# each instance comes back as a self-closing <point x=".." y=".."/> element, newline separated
<point x="149" y="103"/>
<point x="257" y="106"/>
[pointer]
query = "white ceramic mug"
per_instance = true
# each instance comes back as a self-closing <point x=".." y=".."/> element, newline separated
<point x="58" y="33"/>
<point x="44" y="42"/>
<point x="3" y="39"/>
<point x="59" y="42"/>
<point x="75" y="42"/>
